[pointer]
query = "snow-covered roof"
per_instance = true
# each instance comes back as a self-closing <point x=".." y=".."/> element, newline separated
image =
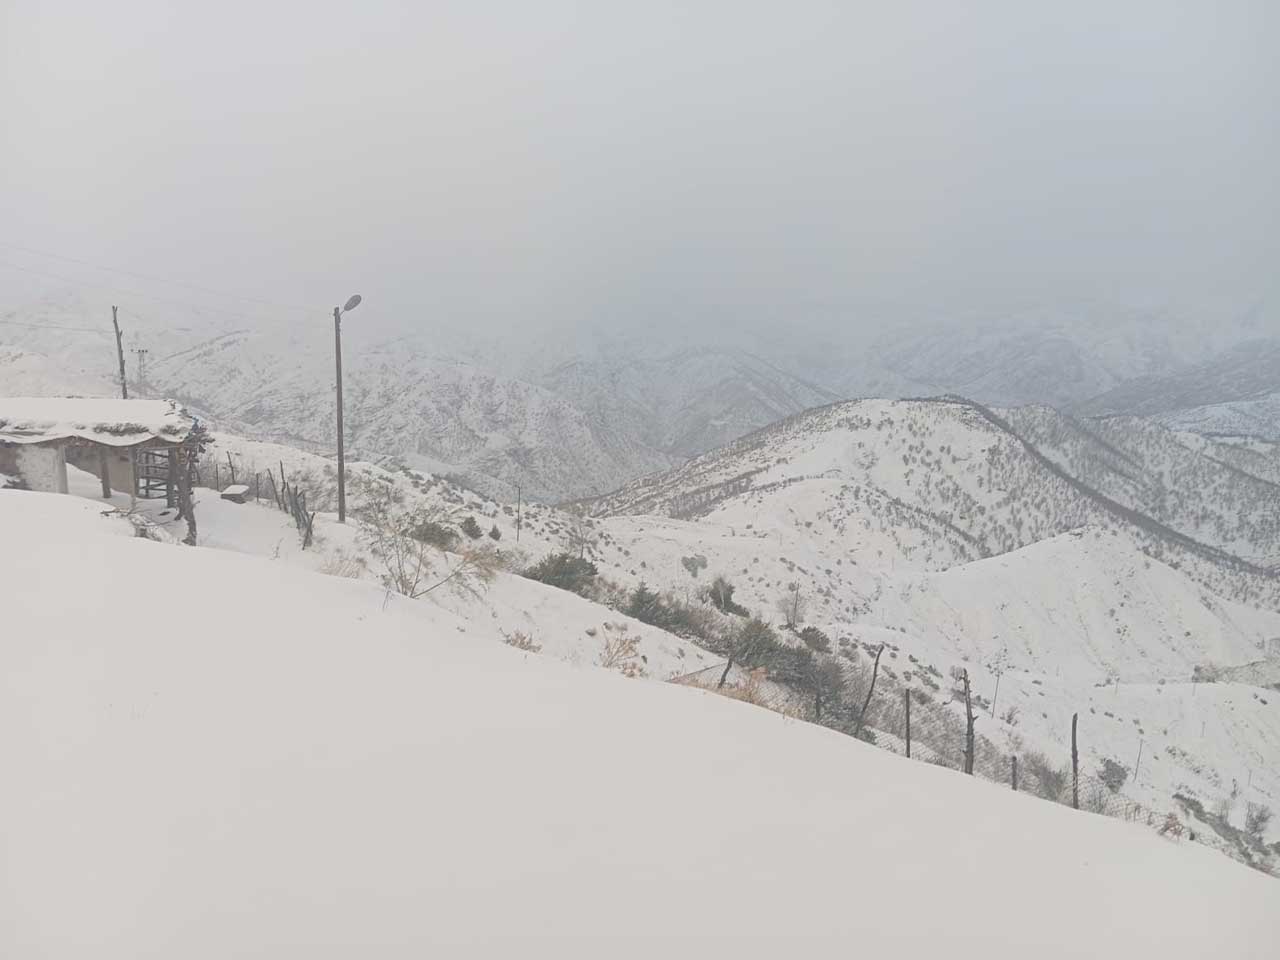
<point x="110" y="421"/>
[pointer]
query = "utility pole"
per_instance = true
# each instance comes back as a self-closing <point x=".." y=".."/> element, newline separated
<point x="1075" y="764"/>
<point x="124" y="383"/>
<point x="142" y="365"/>
<point x="342" y="462"/>
<point x="351" y="304"/>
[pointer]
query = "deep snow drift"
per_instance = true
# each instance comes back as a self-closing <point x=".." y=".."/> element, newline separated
<point x="212" y="755"/>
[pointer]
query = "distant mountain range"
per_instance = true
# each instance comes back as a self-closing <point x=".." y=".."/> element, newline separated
<point x="567" y="417"/>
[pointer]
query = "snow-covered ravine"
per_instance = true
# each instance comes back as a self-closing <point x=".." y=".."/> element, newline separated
<point x="210" y="754"/>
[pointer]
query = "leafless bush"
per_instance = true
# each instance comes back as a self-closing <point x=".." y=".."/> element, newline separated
<point x="413" y="567"/>
<point x="1257" y="818"/>
<point x="521" y="641"/>
<point x="793" y="606"/>
<point x="1042" y="778"/>
<point x="621" y="651"/>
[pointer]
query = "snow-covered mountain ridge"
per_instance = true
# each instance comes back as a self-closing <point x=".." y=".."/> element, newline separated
<point x="576" y="413"/>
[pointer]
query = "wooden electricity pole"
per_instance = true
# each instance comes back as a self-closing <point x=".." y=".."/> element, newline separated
<point x="1075" y="764"/>
<point x="906" y="696"/>
<point x="968" y="733"/>
<point x="124" y="382"/>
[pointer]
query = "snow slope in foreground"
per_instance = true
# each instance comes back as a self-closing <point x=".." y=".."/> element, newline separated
<point x="210" y="755"/>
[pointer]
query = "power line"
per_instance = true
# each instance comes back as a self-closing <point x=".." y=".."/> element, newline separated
<point x="151" y="277"/>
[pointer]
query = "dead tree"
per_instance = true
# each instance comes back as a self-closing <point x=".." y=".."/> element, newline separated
<point x="1075" y="764"/>
<point x="124" y="382"/>
<point x="862" y="714"/>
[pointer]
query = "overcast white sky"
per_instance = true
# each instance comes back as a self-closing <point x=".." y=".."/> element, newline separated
<point x="481" y="164"/>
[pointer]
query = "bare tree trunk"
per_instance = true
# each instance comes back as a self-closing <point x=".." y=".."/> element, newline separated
<point x="906" y="697"/>
<point x="1014" y="777"/>
<point x="124" y="382"/>
<point x="968" y="732"/>
<point x="185" y="506"/>
<point x="725" y="676"/>
<point x="862" y="715"/>
<point x="231" y="466"/>
<point x="1075" y="764"/>
<point x="106" y="473"/>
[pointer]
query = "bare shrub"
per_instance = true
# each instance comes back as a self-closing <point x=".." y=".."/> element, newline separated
<point x="621" y="651"/>
<point x="1042" y="778"/>
<point x="793" y="606"/>
<point x="1257" y="818"/>
<point x="521" y="641"/>
<point x="413" y="567"/>
<point x="1113" y="774"/>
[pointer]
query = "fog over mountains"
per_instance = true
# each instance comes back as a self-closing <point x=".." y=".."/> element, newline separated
<point x="566" y="418"/>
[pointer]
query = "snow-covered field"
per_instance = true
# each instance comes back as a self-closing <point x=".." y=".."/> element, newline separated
<point x="209" y="755"/>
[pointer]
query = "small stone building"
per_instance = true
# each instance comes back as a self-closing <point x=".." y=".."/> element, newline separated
<point x="113" y="439"/>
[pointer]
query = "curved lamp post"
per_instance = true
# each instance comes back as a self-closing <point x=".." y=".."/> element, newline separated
<point x="350" y="305"/>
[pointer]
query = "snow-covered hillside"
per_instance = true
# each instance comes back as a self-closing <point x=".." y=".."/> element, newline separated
<point x="470" y="406"/>
<point x="1256" y="417"/>
<point x="210" y="754"/>
<point x="1228" y="393"/>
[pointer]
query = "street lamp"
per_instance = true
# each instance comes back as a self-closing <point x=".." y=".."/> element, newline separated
<point x="350" y="305"/>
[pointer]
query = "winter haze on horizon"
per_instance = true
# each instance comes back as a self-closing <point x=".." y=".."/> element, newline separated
<point x="597" y="238"/>
<point x="675" y="170"/>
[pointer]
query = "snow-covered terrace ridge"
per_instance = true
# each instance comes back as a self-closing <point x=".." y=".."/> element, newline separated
<point x="106" y="420"/>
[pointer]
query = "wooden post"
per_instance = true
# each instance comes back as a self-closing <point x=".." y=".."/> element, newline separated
<point x="1015" y="773"/>
<point x="1075" y="764"/>
<point x="968" y="733"/>
<point x="171" y="493"/>
<point x="257" y="486"/>
<point x="231" y="466"/>
<point x="906" y="696"/>
<point x="185" y="505"/>
<point x="870" y="690"/>
<point x="106" y="473"/>
<point x="124" y="382"/>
